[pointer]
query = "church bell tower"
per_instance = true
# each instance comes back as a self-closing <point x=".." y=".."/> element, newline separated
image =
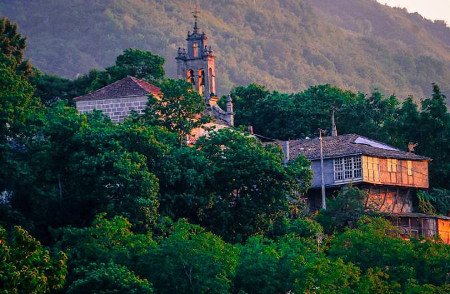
<point x="197" y="63"/>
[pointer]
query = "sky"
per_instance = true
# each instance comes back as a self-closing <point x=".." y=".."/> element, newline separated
<point x="431" y="9"/>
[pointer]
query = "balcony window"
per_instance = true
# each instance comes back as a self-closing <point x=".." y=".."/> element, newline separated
<point x="347" y="168"/>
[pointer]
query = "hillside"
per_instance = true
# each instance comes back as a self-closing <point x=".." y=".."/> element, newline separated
<point x="287" y="45"/>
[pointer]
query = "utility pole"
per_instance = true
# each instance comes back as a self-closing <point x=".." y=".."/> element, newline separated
<point x="324" y="203"/>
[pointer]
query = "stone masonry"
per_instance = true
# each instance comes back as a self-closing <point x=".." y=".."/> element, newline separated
<point x="118" y="99"/>
<point x="117" y="109"/>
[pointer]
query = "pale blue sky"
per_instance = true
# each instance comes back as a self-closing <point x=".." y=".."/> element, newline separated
<point x="431" y="9"/>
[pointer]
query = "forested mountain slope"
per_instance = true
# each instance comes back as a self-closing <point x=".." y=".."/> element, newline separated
<point x="284" y="44"/>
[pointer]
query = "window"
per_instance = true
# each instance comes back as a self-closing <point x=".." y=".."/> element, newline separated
<point x="392" y="169"/>
<point x="371" y="168"/>
<point x="195" y="47"/>
<point x="409" y="163"/>
<point x="347" y="168"/>
<point x="190" y="76"/>
<point x="392" y="165"/>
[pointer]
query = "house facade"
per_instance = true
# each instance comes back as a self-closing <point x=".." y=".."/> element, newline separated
<point x="390" y="176"/>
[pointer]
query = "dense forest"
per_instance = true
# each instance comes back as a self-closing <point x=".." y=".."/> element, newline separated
<point x="91" y="206"/>
<point x="287" y="45"/>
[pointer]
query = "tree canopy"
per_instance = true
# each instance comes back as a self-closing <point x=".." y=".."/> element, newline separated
<point x="92" y="206"/>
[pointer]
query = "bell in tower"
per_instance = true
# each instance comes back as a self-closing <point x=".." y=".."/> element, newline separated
<point x="197" y="63"/>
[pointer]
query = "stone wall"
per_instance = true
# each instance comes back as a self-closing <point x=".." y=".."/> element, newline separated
<point x="116" y="109"/>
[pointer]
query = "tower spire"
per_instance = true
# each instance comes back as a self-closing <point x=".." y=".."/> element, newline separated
<point x="196" y="64"/>
<point x="196" y="14"/>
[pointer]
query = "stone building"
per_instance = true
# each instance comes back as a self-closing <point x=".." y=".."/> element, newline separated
<point x="196" y="65"/>
<point x="118" y="99"/>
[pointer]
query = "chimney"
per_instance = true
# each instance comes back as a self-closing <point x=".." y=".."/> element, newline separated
<point x="230" y="113"/>
<point x="334" y="132"/>
<point x="286" y="151"/>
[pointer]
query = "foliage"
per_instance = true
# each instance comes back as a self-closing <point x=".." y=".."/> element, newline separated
<point x="291" y="264"/>
<point x="301" y="227"/>
<point x="373" y="244"/>
<point x="177" y="109"/>
<point x="16" y="102"/>
<point x="105" y="193"/>
<point x="355" y="45"/>
<point x="108" y="278"/>
<point x="435" y="201"/>
<point x="434" y="136"/>
<point x="343" y="211"/>
<point x="12" y="48"/>
<point x="77" y="166"/>
<point x="324" y="275"/>
<point x="26" y="266"/>
<point x="191" y="260"/>
<point x="132" y="62"/>
<point x="250" y="184"/>
<point x="105" y="240"/>
<point x="17" y="109"/>
<point x="51" y="88"/>
<point x="293" y="116"/>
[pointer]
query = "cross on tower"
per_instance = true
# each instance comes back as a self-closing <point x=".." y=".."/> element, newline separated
<point x="196" y="13"/>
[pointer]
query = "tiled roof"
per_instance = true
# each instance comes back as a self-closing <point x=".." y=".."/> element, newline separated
<point x="347" y="145"/>
<point x="129" y="86"/>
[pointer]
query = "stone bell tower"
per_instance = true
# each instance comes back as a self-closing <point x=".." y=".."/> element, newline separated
<point x="197" y="63"/>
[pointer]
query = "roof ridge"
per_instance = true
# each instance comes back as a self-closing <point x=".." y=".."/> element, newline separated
<point x="140" y="81"/>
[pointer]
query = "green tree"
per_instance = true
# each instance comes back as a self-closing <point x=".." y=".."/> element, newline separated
<point x="140" y="64"/>
<point x="373" y="244"/>
<point x="259" y="267"/>
<point x="436" y="200"/>
<point x="108" y="278"/>
<point x="16" y="103"/>
<point x="434" y="133"/>
<point x="186" y="179"/>
<point x="12" y="48"/>
<point x="26" y="266"/>
<point x="18" y="109"/>
<point x="314" y="106"/>
<point x="432" y="262"/>
<point x="103" y="241"/>
<point x="51" y="88"/>
<point x="132" y="62"/>
<point x="78" y="166"/>
<point x="325" y="275"/>
<point x="343" y="211"/>
<point x="250" y="184"/>
<point x="179" y="109"/>
<point x="291" y="264"/>
<point x="376" y="281"/>
<point x="244" y="100"/>
<point x="405" y="128"/>
<point x="190" y="260"/>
